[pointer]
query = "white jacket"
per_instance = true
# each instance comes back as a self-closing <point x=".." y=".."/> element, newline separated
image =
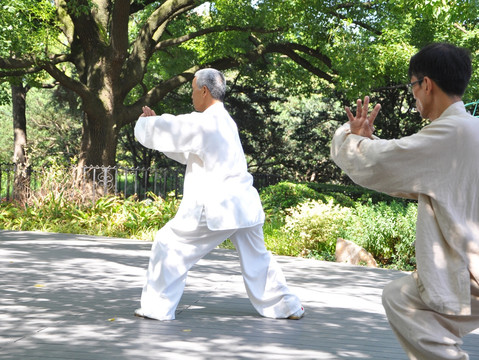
<point x="438" y="166"/>
<point x="216" y="178"/>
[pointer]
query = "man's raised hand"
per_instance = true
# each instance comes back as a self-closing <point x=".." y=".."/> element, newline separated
<point x="147" y="111"/>
<point x="363" y="124"/>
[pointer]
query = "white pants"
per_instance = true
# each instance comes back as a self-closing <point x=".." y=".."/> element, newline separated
<point x="174" y="252"/>
<point x="424" y="333"/>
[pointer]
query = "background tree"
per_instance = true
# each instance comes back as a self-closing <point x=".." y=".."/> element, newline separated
<point x="24" y="28"/>
<point x="112" y="45"/>
<point x="118" y="56"/>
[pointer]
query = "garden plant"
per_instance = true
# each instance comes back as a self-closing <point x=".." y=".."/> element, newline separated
<point x="302" y="219"/>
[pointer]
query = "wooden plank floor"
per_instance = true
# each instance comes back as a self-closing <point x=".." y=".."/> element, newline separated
<point x="72" y="297"/>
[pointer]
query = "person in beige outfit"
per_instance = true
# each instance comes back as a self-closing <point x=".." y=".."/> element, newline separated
<point x="434" y="307"/>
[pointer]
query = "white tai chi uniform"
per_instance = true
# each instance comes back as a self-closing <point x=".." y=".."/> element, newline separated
<point x="219" y="202"/>
<point x="431" y="310"/>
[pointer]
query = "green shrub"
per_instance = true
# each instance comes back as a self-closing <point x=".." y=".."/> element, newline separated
<point x="387" y="231"/>
<point x="279" y="198"/>
<point x="350" y="195"/>
<point x="300" y="221"/>
<point x="314" y="226"/>
<point x="107" y="216"/>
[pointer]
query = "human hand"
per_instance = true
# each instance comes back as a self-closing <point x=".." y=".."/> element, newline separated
<point x="147" y="111"/>
<point x="362" y="124"/>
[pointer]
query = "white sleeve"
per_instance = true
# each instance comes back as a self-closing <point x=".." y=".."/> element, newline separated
<point x="170" y="134"/>
<point x="181" y="157"/>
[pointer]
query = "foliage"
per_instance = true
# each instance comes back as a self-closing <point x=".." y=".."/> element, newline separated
<point x="349" y="195"/>
<point x="314" y="226"/>
<point x="289" y="136"/>
<point x="118" y="58"/>
<point x="300" y="221"/>
<point x="60" y="205"/>
<point x="387" y="231"/>
<point x="278" y="199"/>
<point x="107" y="216"/>
<point x="383" y="225"/>
<point x="54" y="121"/>
<point x="53" y="127"/>
<point x="6" y="134"/>
<point x="26" y="26"/>
<point x="291" y="67"/>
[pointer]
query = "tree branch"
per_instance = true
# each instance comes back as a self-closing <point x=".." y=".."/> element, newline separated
<point x="190" y="36"/>
<point x="159" y="92"/>
<point x="76" y="86"/>
<point x="359" y="23"/>
<point x="139" y="5"/>
<point x="85" y="27"/>
<point x="119" y="32"/>
<point x="459" y="27"/>
<point x="348" y="5"/>
<point x="27" y="65"/>
<point x="14" y="63"/>
<point x="144" y="45"/>
<point x="368" y="5"/>
<point x="312" y="52"/>
<point x="288" y="50"/>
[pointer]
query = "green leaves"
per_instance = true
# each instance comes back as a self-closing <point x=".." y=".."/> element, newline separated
<point x="59" y="205"/>
<point x="108" y="216"/>
<point x="315" y="219"/>
<point x="26" y="26"/>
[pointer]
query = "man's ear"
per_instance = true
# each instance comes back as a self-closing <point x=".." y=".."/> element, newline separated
<point x="429" y="84"/>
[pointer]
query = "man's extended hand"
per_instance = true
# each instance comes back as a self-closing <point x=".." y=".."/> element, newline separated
<point x="362" y="124"/>
<point x="147" y="111"/>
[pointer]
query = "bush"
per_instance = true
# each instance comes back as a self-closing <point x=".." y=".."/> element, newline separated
<point x="107" y="216"/>
<point x="59" y="205"/>
<point x="279" y="198"/>
<point x="387" y="231"/>
<point x="314" y="227"/>
<point x="311" y="226"/>
<point x="300" y="221"/>
<point x="350" y="195"/>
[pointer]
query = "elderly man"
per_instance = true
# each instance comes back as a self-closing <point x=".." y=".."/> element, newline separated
<point x="432" y="309"/>
<point x="219" y="202"/>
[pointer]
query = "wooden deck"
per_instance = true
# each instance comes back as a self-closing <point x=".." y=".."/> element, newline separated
<point x="72" y="297"/>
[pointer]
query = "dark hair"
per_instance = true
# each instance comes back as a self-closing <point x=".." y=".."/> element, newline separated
<point x="214" y="80"/>
<point x="448" y="65"/>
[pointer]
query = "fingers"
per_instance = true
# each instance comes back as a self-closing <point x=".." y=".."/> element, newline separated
<point x="147" y="111"/>
<point x="364" y="110"/>
<point x="349" y="113"/>
<point x="362" y="123"/>
<point x="374" y="113"/>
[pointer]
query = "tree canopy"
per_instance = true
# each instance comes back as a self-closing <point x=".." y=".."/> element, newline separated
<point x="120" y="55"/>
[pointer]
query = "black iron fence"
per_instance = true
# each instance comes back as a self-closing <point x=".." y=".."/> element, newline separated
<point x="117" y="180"/>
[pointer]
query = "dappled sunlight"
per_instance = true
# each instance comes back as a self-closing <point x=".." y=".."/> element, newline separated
<point x="70" y="296"/>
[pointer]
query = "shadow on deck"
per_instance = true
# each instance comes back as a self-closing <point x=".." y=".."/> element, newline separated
<point x="69" y="296"/>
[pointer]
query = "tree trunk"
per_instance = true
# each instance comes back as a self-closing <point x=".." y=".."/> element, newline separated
<point x="22" y="177"/>
<point x="98" y="149"/>
<point x="99" y="140"/>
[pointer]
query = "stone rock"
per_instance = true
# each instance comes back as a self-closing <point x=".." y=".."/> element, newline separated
<point x="351" y="253"/>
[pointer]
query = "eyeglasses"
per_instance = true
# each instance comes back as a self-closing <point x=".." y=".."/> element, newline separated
<point x="410" y="85"/>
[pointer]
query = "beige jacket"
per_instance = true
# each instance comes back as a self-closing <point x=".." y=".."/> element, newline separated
<point x="438" y="166"/>
<point x="216" y="179"/>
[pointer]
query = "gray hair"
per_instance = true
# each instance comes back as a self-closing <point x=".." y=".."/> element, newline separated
<point x="214" y="80"/>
